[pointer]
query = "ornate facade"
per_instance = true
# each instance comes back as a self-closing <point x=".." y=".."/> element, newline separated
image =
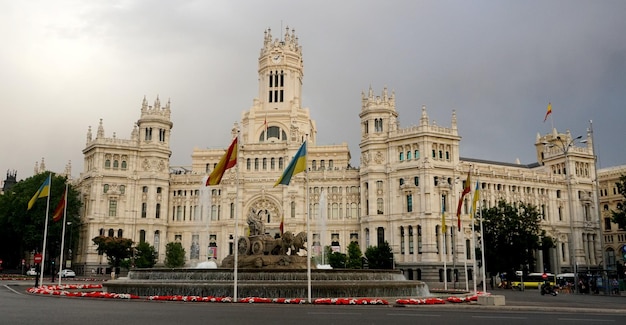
<point x="614" y="239"/>
<point x="396" y="195"/>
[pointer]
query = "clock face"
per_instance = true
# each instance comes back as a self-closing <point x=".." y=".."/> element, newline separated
<point x="276" y="58"/>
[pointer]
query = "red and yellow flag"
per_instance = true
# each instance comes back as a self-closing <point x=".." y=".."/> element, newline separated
<point x="466" y="190"/>
<point x="60" y="209"/>
<point x="229" y="160"/>
<point x="548" y="112"/>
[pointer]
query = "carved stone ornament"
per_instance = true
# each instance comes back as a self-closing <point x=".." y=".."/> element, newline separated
<point x="379" y="158"/>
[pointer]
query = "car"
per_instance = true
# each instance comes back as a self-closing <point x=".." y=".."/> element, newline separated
<point x="67" y="273"/>
<point x="31" y="271"/>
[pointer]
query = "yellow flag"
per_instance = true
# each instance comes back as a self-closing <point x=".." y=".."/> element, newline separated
<point x="474" y="200"/>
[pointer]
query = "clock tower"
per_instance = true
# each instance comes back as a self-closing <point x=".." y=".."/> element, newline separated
<point x="280" y="71"/>
<point x="277" y="114"/>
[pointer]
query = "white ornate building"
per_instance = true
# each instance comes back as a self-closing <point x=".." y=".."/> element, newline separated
<point x="129" y="188"/>
<point x="614" y="239"/>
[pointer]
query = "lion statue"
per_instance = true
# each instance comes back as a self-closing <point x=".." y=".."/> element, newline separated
<point x="283" y="244"/>
<point x="299" y="243"/>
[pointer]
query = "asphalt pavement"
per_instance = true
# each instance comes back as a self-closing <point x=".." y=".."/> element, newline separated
<point x="514" y="300"/>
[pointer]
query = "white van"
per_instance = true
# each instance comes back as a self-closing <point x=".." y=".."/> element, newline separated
<point x="569" y="277"/>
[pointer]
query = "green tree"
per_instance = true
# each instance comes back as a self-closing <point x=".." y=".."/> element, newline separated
<point x="512" y="234"/>
<point x="619" y="215"/>
<point x="145" y="255"/>
<point x="355" y="257"/>
<point x="21" y="230"/>
<point x="380" y="257"/>
<point x="117" y="249"/>
<point x="337" y="260"/>
<point x="174" y="255"/>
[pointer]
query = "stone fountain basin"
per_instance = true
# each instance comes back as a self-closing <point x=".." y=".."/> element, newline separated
<point x="268" y="283"/>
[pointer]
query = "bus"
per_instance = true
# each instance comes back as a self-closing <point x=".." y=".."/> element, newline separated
<point x="531" y="281"/>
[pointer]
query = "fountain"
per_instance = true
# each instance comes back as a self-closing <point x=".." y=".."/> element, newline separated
<point x="268" y="268"/>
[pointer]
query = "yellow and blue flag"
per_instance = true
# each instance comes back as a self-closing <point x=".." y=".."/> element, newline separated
<point x="43" y="191"/>
<point x="476" y="196"/>
<point x="297" y="165"/>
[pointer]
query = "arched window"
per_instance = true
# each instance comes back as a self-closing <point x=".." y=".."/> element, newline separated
<point x="120" y="233"/>
<point x="124" y="164"/>
<point x="107" y="163"/>
<point x="111" y="232"/>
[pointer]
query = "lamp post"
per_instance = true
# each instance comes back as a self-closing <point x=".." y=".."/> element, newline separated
<point x="565" y="145"/>
<point x="605" y="277"/>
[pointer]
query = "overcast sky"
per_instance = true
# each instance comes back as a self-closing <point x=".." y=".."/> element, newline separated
<point x="65" y="64"/>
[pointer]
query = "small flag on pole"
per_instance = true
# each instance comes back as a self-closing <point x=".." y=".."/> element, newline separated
<point x="474" y="200"/>
<point x="229" y="160"/>
<point x="297" y="165"/>
<point x="60" y="209"/>
<point x="548" y="111"/>
<point x="43" y="191"/>
<point x="466" y="189"/>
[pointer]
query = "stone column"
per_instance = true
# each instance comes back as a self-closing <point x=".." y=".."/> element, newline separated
<point x="540" y="267"/>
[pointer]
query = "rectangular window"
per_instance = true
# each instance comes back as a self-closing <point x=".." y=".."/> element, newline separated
<point x="409" y="203"/>
<point x="419" y="239"/>
<point x="112" y="208"/>
<point x="144" y="207"/>
<point x="607" y="223"/>
<point x="410" y="240"/>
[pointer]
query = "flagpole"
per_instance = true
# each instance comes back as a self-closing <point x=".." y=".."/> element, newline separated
<point x="308" y="234"/>
<point x="61" y="261"/>
<point x="465" y="267"/>
<point x="482" y="249"/>
<point x="45" y="231"/>
<point x="322" y="213"/>
<point x="236" y="224"/>
<point x="445" y="252"/>
<point x="473" y="216"/>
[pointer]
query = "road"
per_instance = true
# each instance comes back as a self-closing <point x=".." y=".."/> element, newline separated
<point x="19" y="307"/>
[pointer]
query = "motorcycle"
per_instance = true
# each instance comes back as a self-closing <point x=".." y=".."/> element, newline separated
<point x="546" y="288"/>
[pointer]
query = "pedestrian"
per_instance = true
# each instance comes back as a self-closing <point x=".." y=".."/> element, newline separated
<point x="615" y="286"/>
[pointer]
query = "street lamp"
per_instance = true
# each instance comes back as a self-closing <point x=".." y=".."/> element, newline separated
<point x="605" y="277"/>
<point x="565" y="145"/>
